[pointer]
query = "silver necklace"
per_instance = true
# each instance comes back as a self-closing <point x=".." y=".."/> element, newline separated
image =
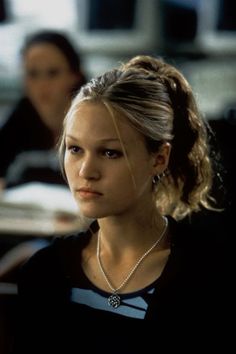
<point x="114" y="299"/>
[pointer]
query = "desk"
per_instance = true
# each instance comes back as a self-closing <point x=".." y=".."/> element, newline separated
<point x="24" y="229"/>
<point x="25" y="220"/>
<point x="30" y="216"/>
<point x="39" y="209"/>
<point x="22" y="224"/>
<point x="40" y="225"/>
<point x="32" y="231"/>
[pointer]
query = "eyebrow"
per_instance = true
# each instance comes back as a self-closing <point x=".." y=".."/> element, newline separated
<point x="102" y="140"/>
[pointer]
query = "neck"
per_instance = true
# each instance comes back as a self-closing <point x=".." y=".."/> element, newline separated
<point x="136" y="234"/>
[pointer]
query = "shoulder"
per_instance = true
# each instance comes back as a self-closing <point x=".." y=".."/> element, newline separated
<point x="48" y="262"/>
<point x="50" y="255"/>
<point x="22" y="107"/>
<point x="200" y="245"/>
<point x="22" y="112"/>
<point x="43" y="276"/>
<point x="42" y="266"/>
<point x="205" y="228"/>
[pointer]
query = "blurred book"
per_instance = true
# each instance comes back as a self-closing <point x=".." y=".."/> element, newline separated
<point x="40" y="209"/>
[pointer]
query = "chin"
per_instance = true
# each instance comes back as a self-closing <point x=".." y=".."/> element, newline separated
<point x="93" y="214"/>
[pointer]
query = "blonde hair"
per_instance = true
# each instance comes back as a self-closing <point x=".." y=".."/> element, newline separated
<point x="158" y="101"/>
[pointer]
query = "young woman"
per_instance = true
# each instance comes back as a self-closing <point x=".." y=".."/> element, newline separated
<point x="135" y="154"/>
<point x="52" y="73"/>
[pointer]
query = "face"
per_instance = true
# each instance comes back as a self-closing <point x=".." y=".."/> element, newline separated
<point x="105" y="180"/>
<point x="48" y="79"/>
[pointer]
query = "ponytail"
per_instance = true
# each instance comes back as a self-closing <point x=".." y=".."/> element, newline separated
<point x="187" y="183"/>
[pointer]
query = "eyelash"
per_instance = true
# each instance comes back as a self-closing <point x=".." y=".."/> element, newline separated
<point x="115" y="153"/>
<point x="109" y="153"/>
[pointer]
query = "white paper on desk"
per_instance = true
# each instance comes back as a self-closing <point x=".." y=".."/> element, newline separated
<point x="50" y="197"/>
<point x="40" y="209"/>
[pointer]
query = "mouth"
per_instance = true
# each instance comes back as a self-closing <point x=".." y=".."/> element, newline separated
<point x="87" y="193"/>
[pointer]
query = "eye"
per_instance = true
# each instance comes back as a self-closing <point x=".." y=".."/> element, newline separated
<point x="33" y="74"/>
<point x="112" y="154"/>
<point x="51" y="73"/>
<point x="74" y="149"/>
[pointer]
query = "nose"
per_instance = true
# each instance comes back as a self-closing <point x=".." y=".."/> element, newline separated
<point x="40" y="86"/>
<point x="89" y="168"/>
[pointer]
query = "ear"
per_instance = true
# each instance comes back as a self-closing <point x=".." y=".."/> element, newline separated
<point x="161" y="159"/>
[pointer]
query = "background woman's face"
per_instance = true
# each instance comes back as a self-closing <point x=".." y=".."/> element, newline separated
<point x="48" y="79"/>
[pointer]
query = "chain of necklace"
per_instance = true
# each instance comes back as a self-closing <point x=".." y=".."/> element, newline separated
<point x="114" y="299"/>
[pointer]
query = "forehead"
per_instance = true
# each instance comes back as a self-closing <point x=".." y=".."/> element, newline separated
<point x="43" y="54"/>
<point x="101" y="122"/>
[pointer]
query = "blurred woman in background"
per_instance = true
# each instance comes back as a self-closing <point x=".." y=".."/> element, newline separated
<point x="52" y="74"/>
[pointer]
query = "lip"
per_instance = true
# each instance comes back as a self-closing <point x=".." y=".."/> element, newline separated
<point x="88" y="193"/>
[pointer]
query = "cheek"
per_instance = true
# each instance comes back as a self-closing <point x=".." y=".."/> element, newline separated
<point x="31" y="86"/>
<point x="122" y="183"/>
<point x="69" y="168"/>
<point x="64" y="84"/>
<point x="141" y="182"/>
